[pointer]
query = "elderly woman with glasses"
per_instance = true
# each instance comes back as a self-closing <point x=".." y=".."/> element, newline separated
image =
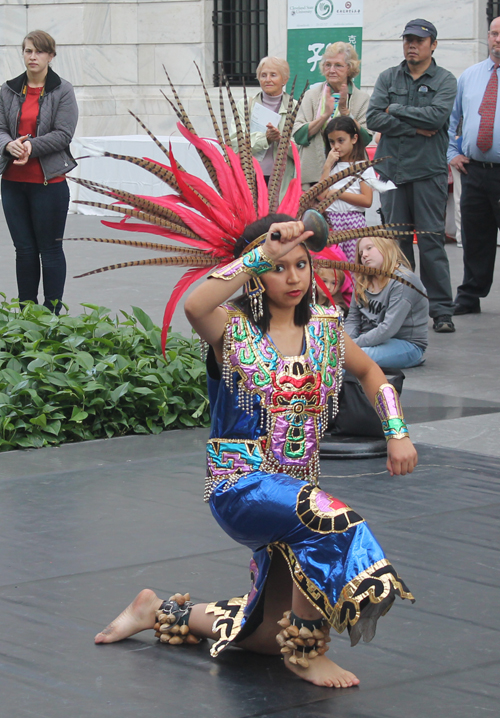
<point x="325" y="100"/>
<point x="272" y="73"/>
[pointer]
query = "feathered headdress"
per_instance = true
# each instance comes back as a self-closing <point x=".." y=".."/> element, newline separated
<point x="208" y="220"/>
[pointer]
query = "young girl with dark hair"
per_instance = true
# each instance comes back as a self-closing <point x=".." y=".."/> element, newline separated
<point x="342" y="148"/>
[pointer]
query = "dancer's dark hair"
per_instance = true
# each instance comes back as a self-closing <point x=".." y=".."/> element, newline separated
<point x="303" y="309"/>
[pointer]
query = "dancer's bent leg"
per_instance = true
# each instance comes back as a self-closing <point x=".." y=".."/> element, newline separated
<point x="140" y="615"/>
<point x="321" y="671"/>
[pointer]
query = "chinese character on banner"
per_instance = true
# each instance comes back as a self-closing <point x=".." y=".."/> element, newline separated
<point x="316" y="48"/>
<point x="352" y="40"/>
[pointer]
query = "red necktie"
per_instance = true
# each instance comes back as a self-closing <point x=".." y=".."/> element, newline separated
<point x="487" y="112"/>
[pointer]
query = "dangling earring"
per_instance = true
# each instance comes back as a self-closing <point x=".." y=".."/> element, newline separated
<point x="255" y="289"/>
<point x="313" y="289"/>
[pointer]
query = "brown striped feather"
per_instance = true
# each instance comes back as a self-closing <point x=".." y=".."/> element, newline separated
<point x="280" y="160"/>
<point x="134" y="200"/>
<point x="343" y="235"/>
<point x="143" y="216"/>
<point x="283" y="147"/>
<point x="325" y="203"/>
<point x="223" y="119"/>
<point x="246" y="161"/>
<point x="308" y="198"/>
<point x="166" y="175"/>
<point x="361" y="269"/>
<point x="248" y="145"/>
<point x="158" y="261"/>
<point x="153" y="246"/>
<point x="183" y="116"/>
<point x="215" y="124"/>
<point x="148" y="131"/>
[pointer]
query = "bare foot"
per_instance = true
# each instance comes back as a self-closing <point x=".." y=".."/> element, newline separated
<point x="324" y="672"/>
<point x="139" y="616"/>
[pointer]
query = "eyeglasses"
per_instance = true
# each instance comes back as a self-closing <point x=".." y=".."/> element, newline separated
<point x="494" y="35"/>
<point x="336" y="66"/>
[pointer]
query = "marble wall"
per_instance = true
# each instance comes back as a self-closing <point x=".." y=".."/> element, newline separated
<point x="114" y="52"/>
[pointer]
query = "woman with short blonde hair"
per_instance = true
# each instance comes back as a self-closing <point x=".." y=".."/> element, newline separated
<point x="272" y="73"/>
<point x="323" y="101"/>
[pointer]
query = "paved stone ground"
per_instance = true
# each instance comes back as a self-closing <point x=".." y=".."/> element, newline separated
<point x="86" y="525"/>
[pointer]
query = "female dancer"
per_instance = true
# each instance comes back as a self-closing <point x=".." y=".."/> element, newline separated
<point x="388" y="320"/>
<point x="38" y="115"/>
<point x="274" y="360"/>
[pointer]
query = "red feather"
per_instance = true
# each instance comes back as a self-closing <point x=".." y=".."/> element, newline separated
<point x="153" y="229"/>
<point x="212" y="151"/>
<point x="323" y="286"/>
<point x="218" y="209"/>
<point x="290" y="202"/>
<point x="262" y="193"/>
<point x="182" y="285"/>
<point x="247" y="210"/>
<point x="337" y="255"/>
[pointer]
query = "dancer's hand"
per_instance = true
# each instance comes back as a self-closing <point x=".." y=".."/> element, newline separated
<point x="402" y="456"/>
<point x="291" y="234"/>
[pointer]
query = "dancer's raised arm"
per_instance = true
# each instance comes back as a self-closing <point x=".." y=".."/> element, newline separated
<point x="203" y="308"/>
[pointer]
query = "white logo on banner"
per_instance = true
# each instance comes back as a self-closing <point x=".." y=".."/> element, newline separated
<point x="316" y="48"/>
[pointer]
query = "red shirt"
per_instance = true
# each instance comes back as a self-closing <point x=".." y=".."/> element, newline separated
<point x="32" y="170"/>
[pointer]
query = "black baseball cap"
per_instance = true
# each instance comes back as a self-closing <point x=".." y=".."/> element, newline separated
<point x="421" y="28"/>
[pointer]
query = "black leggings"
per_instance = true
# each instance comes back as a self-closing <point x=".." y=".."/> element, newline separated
<point x="36" y="217"/>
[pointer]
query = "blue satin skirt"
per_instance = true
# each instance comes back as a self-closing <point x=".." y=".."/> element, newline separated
<point x="331" y="552"/>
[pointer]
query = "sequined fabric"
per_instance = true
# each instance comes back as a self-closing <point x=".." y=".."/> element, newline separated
<point x="268" y="415"/>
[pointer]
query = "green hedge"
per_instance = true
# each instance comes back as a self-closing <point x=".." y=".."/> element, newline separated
<point x="72" y="378"/>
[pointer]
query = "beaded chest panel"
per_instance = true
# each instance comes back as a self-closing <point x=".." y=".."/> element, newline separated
<point x="293" y="391"/>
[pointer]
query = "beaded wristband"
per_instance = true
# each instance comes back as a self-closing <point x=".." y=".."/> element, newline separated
<point x="254" y="263"/>
<point x="388" y="408"/>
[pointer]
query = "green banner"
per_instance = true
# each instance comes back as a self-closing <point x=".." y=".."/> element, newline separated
<point x="312" y="26"/>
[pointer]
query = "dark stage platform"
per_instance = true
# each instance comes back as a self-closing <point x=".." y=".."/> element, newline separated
<point x="85" y="527"/>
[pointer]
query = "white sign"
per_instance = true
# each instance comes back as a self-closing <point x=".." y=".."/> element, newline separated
<point x="324" y="13"/>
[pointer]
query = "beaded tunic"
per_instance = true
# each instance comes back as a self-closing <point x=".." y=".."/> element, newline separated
<point x="287" y="396"/>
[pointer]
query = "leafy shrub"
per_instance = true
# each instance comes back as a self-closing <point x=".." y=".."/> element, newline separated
<point x="71" y="378"/>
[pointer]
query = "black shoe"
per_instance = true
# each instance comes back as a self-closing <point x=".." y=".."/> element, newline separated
<point x="459" y="309"/>
<point x="443" y="324"/>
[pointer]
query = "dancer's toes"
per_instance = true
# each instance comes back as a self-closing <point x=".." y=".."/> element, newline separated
<point x="139" y="616"/>
<point x="324" y="672"/>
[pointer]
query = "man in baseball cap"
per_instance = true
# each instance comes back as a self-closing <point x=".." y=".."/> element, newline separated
<point x="410" y="106"/>
<point x="420" y="28"/>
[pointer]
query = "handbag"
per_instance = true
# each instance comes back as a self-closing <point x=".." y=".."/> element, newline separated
<point x="356" y="416"/>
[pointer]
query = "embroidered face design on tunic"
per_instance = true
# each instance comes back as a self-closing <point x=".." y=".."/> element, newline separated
<point x="293" y="391"/>
<point x="296" y="395"/>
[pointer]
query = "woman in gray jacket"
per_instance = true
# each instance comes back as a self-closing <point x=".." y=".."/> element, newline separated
<point x="38" y="116"/>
